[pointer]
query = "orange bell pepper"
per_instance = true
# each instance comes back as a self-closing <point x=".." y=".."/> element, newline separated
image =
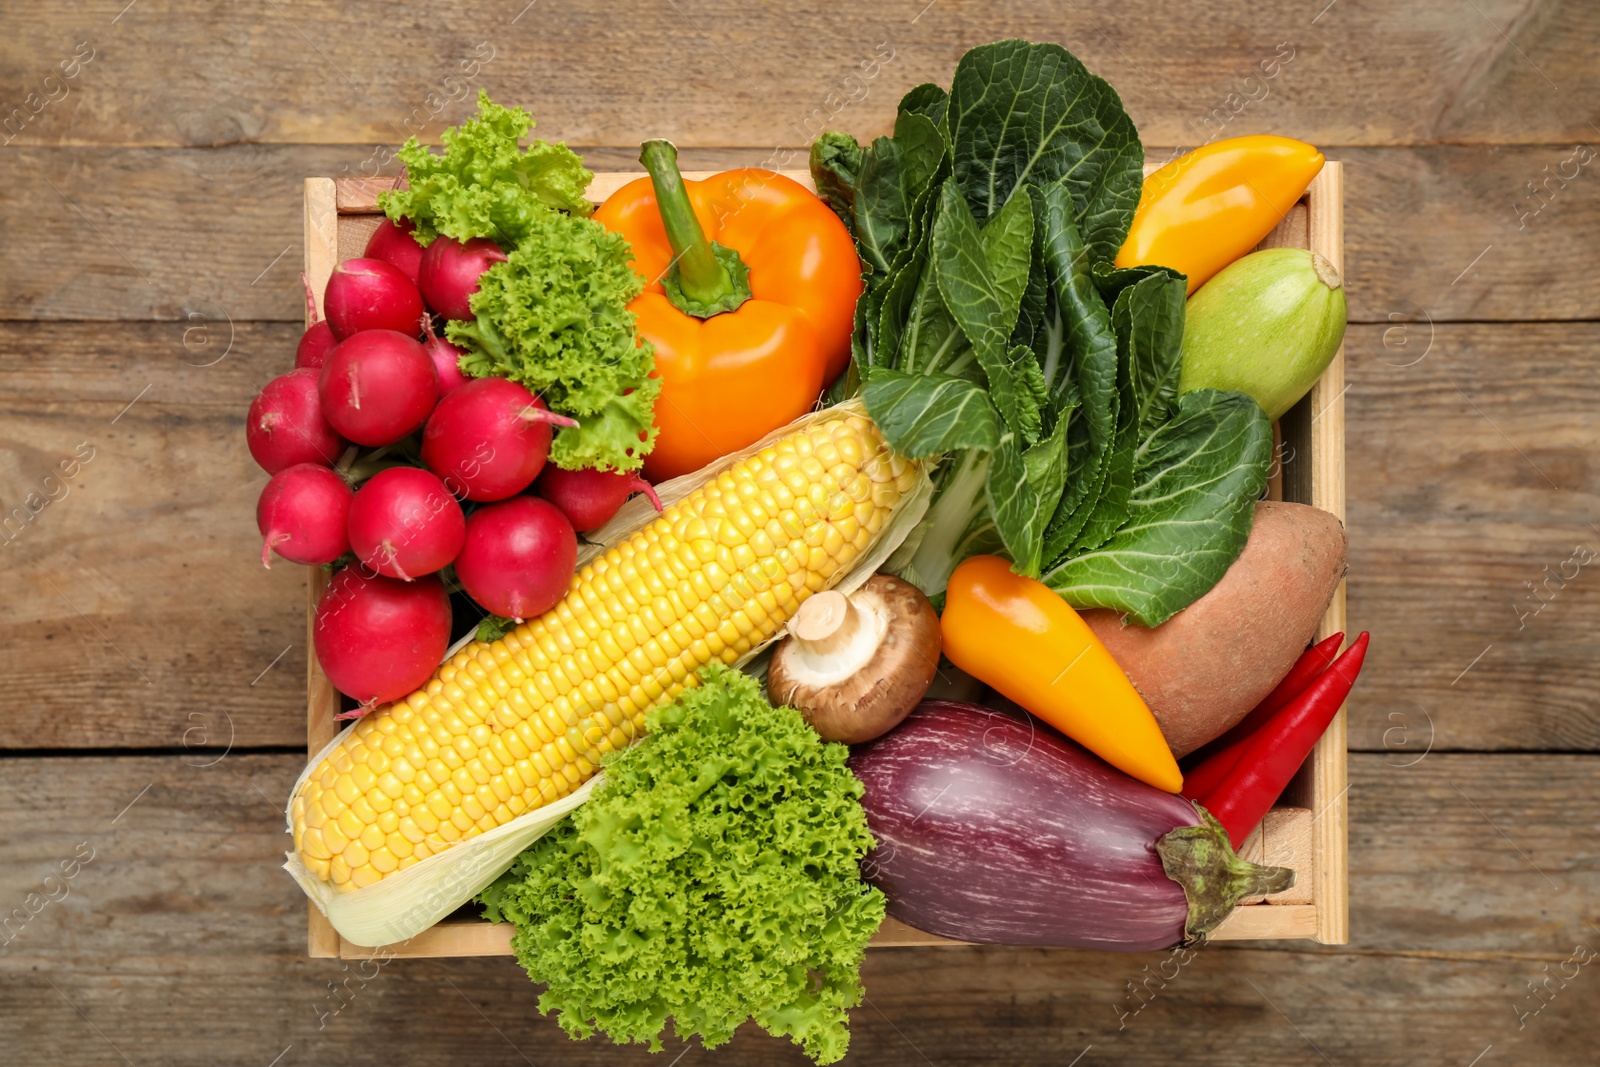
<point x="752" y="286"/>
<point x="1018" y="636"/>
<point x="1208" y="207"/>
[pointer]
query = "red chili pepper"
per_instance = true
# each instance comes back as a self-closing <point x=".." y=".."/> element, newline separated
<point x="1208" y="765"/>
<point x="1275" y="753"/>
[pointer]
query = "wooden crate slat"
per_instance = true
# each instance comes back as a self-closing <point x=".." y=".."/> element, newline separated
<point x="1328" y="760"/>
<point x="1279" y="842"/>
<point x="322" y="700"/>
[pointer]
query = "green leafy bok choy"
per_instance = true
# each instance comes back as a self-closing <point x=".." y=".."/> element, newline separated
<point x="993" y="332"/>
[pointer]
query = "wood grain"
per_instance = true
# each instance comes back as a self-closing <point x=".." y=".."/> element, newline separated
<point x="1471" y="472"/>
<point x="136" y="609"/>
<point x="183" y="944"/>
<point x="195" y="74"/>
<point x="1323" y="413"/>
<point x="135" y="614"/>
<point x="1415" y="220"/>
<point x="1447" y="516"/>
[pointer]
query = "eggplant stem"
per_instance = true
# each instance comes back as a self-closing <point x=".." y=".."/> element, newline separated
<point x="1214" y="877"/>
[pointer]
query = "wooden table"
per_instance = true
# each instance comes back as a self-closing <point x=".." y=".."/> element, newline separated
<point x="153" y="672"/>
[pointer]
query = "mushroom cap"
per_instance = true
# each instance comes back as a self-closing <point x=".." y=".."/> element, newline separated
<point x="859" y="680"/>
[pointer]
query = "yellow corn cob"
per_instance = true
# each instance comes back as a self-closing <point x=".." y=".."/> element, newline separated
<point x="504" y="728"/>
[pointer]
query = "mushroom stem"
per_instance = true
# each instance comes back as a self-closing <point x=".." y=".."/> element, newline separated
<point x="826" y="623"/>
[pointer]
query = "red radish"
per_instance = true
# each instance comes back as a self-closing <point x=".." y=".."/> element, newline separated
<point x="446" y="359"/>
<point x="286" y="426"/>
<point x="369" y="294"/>
<point x="450" y="271"/>
<point x="489" y="439"/>
<point x="315" y="344"/>
<point x="377" y="386"/>
<point x="519" y="557"/>
<point x="404" y="523"/>
<point x="318" y="340"/>
<point x="379" y="639"/>
<point x="590" y="497"/>
<point x="393" y="243"/>
<point x="302" y="514"/>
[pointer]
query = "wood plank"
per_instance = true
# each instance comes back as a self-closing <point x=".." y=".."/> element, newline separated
<point x="322" y="699"/>
<point x="1325" y="439"/>
<point x="132" y="225"/>
<point x="729" y="73"/>
<point x="1415" y="221"/>
<point x="1471" y="473"/>
<point x="1447" y="520"/>
<point x="137" y="612"/>
<point x="1450" y="921"/>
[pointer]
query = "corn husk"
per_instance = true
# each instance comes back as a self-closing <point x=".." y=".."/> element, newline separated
<point x="407" y="902"/>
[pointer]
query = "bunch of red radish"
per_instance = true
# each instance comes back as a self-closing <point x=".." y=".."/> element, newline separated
<point x="374" y="442"/>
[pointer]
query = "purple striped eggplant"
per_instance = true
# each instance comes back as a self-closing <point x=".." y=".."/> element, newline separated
<point x="993" y="828"/>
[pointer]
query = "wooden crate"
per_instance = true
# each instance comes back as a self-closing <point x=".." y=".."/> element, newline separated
<point x="1307" y="831"/>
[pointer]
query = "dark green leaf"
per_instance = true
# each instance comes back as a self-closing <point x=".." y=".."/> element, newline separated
<point x="1087" y="475"/>
<point x="1079" y="360"/>
<point x="924" y="149"/>
<point x="962" y="272"/>
<point x="1034" y="308"/>
<point x="882" y="217"/>
<point x="1111" y="509"/>
<point x="1110" y="281"/>
<point x="1021" y="112"/>
<point x="836" y="168"/>
<point x="1154" y="309"/>
<point x="1089" y="345"/>
<point x="1007" y="241"/>
<point x="929" y="414"/>
<point x="1190" y="512"/>
<point x="983" y="309"/>
<point x="1013" y="505"/>
<point x="930" y="340"/>
<point x="1023" y="488"/>
<point x="1147" y="319"/>
<point x="888" y="306"/>
<point x="927" y="100"/>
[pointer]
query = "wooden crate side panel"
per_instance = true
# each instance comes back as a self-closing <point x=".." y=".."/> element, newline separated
<point x="322" y="701"/>
<point x="354" y="230"/>
<point x="1328" y="761"/>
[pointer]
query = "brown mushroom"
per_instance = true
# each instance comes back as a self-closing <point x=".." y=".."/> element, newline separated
<point x="856" y="665"/>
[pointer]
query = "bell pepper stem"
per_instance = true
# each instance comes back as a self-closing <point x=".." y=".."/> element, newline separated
<point x="704" y="279"/>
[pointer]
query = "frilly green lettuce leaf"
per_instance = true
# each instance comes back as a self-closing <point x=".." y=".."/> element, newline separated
<point x="554" y="316"/>
<point x="485" y="184"/>
<point x="713" y="878"/>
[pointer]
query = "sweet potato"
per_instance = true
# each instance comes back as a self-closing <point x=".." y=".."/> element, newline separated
<point x="1204" y="669"/>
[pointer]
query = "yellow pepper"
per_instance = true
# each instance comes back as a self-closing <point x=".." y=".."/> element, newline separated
<point x="1018" y="636"/>
<point x="1207" y="208"/>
